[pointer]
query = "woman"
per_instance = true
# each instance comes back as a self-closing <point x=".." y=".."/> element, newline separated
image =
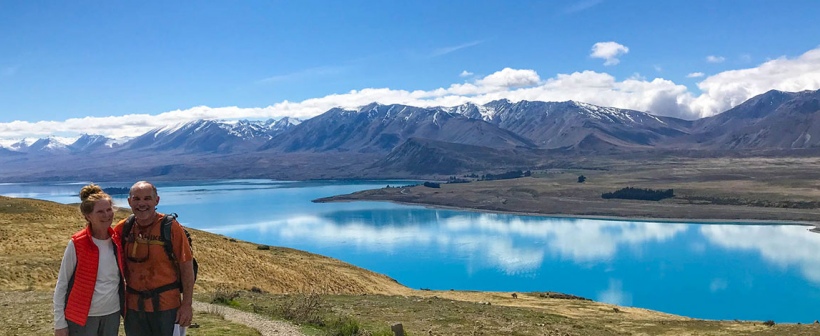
<point x="89" y="295"/>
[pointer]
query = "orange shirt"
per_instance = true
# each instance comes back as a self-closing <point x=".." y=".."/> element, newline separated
<point x="148" y="266"/>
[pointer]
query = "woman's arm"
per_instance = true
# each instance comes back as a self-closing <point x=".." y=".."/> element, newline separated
<point x="67" y="267"/>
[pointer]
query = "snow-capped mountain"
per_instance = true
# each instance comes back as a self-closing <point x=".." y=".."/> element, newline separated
<point x="387" y="139"/>
<point x="570" y="123"/>
<point x="48" y="145"/>
<point x="211" y="135"/>
<point x="88" y="143"/>
<point x="380" y="128"/>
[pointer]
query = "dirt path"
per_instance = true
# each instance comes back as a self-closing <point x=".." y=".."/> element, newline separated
<point x="265" y="326"/>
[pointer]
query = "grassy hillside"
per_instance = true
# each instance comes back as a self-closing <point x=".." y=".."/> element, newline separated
<point x="33" y="235"/>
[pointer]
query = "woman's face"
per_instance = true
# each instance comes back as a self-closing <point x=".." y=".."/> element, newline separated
<point x="102" y="215"/>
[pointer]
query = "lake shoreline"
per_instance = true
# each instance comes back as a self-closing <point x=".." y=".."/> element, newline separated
<point x="518" y="197"/>
<point x="707" y="221"/>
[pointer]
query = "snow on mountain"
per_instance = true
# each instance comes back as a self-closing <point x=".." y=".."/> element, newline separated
<point x="50" y="145"/>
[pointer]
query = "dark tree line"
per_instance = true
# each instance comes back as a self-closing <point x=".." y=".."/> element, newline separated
<point x="117" y="190"/>
<point x="508" y="175"/>
<point x="640" y="194"/>
<point x="432" y="185"/>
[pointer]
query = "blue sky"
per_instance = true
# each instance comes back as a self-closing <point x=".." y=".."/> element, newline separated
<point x="119" y="68"/>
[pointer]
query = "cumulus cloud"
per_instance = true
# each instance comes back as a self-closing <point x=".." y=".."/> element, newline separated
<point x="715" y="59"/>
<point x="695" y="75"/>
<point x="730" y="88"/>
<point x="608" y="51"/>
<point x="465" y="73"/>
<point x="510" y="78"/>
<point x="658" y="96"/>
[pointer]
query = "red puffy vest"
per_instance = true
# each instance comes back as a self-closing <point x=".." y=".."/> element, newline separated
<point x="82" y="283"/>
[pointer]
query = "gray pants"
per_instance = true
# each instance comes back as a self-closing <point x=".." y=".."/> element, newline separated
<point x="140" y="323"/>
<point x="108" y="325"/>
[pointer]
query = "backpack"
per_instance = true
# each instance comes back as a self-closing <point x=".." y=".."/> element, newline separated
<point x="165" y="236"/>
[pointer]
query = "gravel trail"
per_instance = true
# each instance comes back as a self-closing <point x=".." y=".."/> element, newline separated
<point x="265" y="326"/>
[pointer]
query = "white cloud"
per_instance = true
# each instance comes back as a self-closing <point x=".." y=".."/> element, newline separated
<point x="658" y="96"/>
<point x="510" y="78"/>
<point x="730" y="88"/>
<point x="608" y="51"/>
<point x="715" y="59"/>
<point x="695" y="75"/>
<point x="465" y="73"/>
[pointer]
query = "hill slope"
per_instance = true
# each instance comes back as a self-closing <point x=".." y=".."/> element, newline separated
<point x="33" y="236"/>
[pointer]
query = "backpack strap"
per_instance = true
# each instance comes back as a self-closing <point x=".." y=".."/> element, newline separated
<point x="165" y="236"/>
<point x="126" y="229"/>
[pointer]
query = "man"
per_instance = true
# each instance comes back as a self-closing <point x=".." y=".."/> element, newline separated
<point x="154" y="280"/>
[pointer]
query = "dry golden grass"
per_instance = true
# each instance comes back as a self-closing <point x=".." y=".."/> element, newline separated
<point x="33" y="236"/>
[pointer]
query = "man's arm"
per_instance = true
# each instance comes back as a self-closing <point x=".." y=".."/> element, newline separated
<point x="186" y="273"/>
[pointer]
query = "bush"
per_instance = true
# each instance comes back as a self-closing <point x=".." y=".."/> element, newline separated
<point x="224" y="296"/>
<point x="432" y="185"/>
<point x="769" y="323"/>
<point x="303" y="309"/>
<point x="582" y="179"/>
<point x="345" y="326"/>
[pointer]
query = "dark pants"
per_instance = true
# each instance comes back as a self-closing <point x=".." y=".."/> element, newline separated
<point x="108" y="325"/>
<point x="161" y="323"/>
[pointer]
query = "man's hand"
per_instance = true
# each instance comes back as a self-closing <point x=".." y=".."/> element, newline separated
<point x="61" y="332"/>
<point x="184" y="315"/>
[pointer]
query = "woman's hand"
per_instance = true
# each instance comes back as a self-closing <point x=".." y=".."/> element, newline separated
<point x="61" y="332"/>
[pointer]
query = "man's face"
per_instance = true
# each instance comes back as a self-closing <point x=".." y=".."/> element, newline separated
<point x="143" y="202"/>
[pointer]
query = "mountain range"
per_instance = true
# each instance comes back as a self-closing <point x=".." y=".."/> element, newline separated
<point x="405" y="141"/>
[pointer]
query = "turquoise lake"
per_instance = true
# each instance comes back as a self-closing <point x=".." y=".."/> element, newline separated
<point x="715" y="271"/>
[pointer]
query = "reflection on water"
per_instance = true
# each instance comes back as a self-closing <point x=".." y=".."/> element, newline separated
<point x="704" y="271"/>
<point x="783" y="246"/>
<point x="514" y="244"/>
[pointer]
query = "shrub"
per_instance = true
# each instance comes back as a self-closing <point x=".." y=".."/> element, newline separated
<point x="303" y="308"/>
<point x="263" y="247"/>
<point x="769" y="323"/>
<point x="345" y="326"/>
<point x="225" y="297"/>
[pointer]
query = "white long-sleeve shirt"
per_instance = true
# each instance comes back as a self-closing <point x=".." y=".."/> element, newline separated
<point x="106" y="298"/>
